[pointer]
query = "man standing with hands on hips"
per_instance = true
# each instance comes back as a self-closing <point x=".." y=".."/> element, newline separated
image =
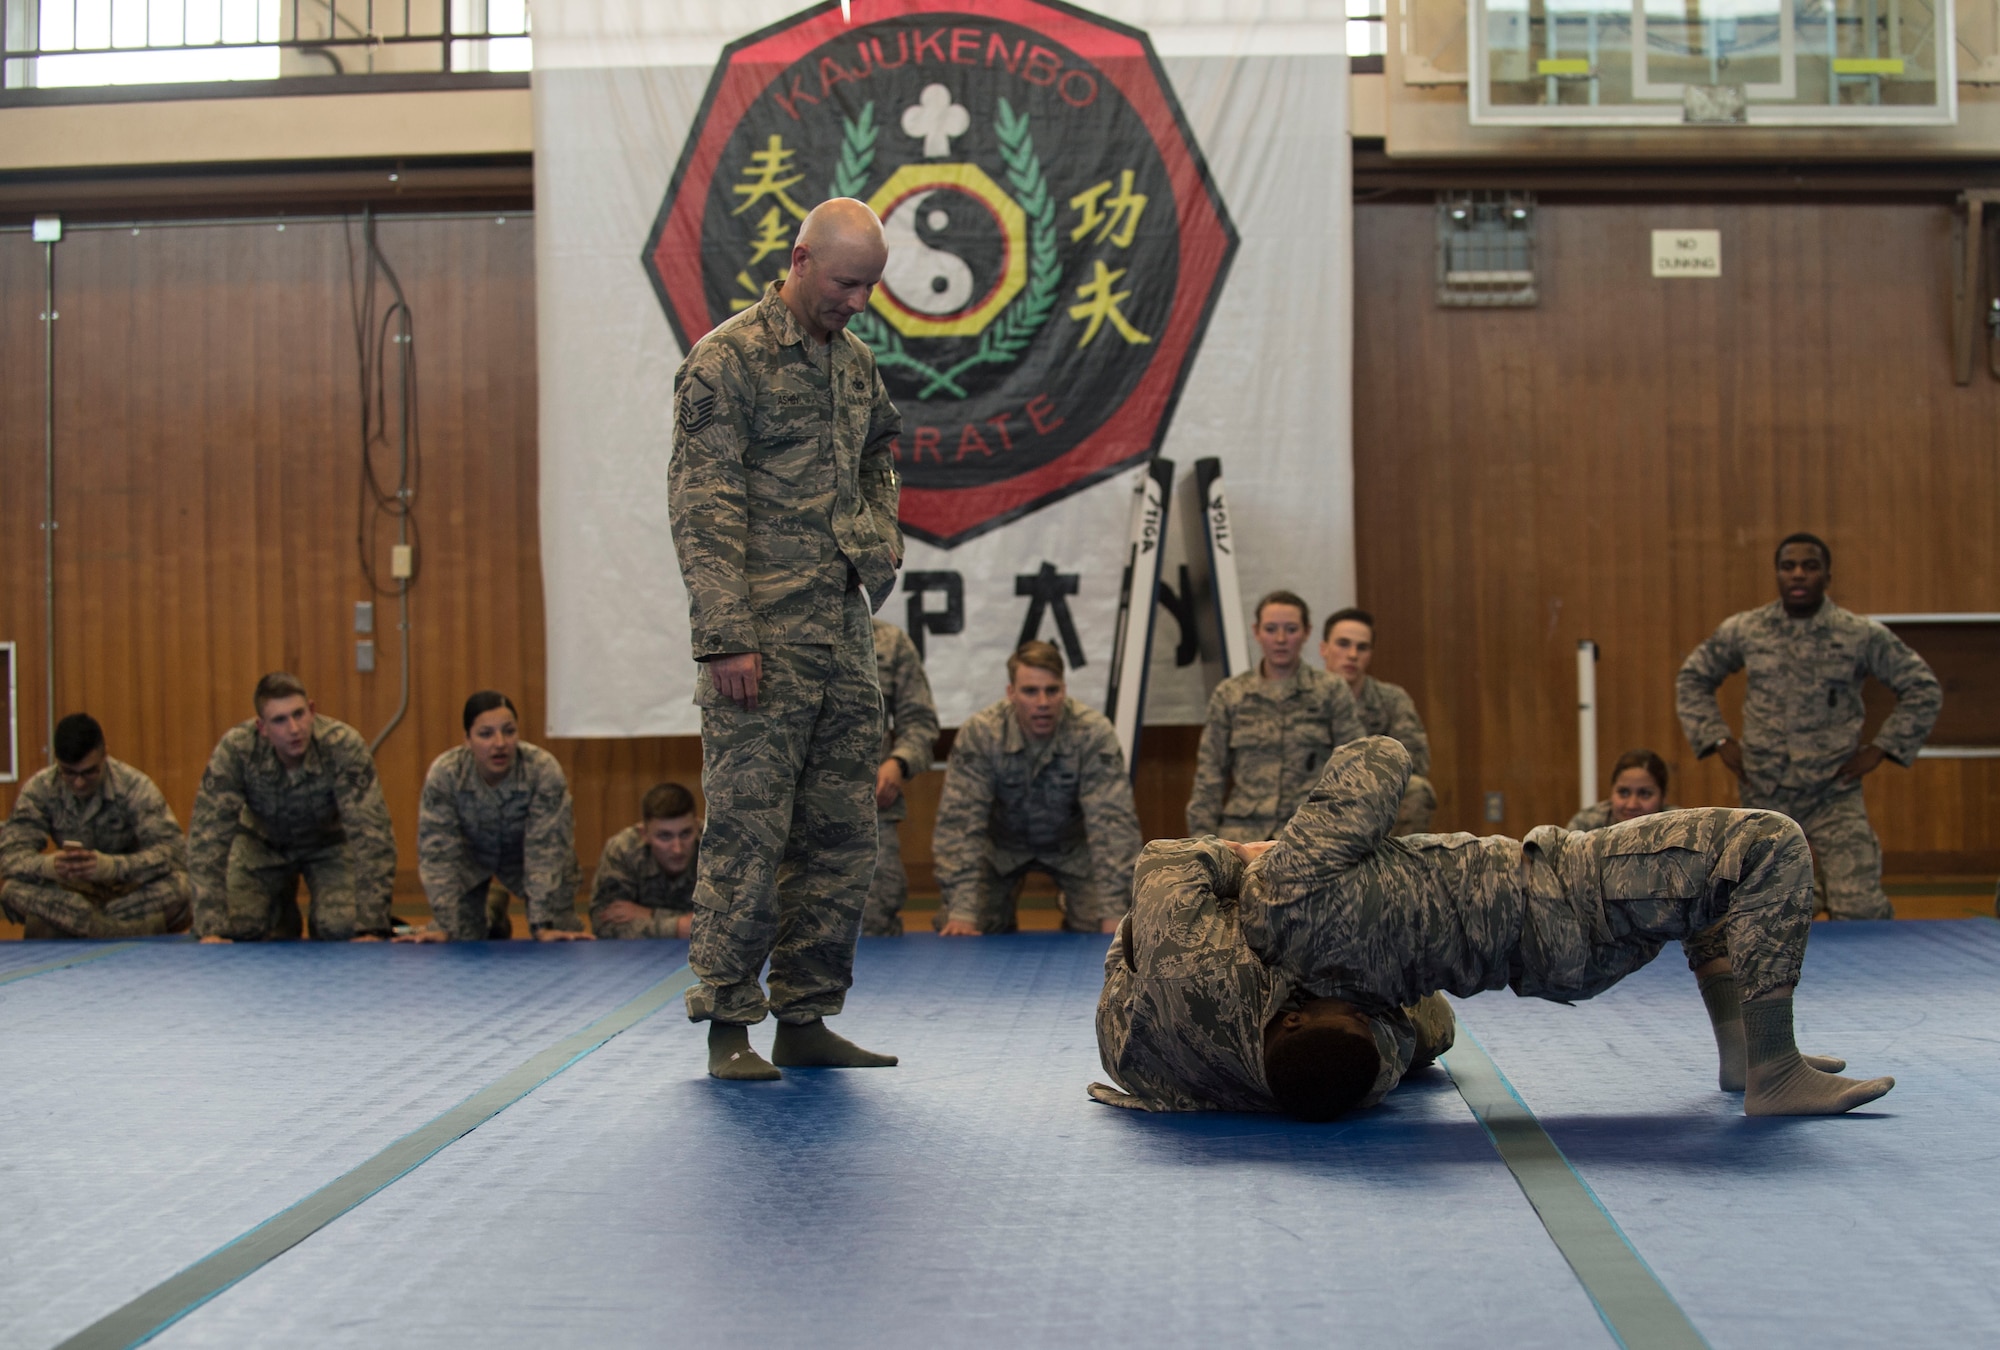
<point x="1801" y="752"/>
<point x="782" y="494"/>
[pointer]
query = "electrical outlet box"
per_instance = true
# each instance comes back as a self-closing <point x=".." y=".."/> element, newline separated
<point x="364" y="655"/>
<point x="1496" y="807"/>
<point x="364" y="616"/>
<point x="48" y="230"/>
<point x="400" y="562"/>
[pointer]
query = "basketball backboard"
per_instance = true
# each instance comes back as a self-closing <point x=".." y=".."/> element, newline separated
<point x="1764" y="62"/>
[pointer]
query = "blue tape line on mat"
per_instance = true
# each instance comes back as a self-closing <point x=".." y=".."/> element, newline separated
<point x="167" y="1302"/>
<point x="94" y="954"/>
<point x="1635" y="1306"/>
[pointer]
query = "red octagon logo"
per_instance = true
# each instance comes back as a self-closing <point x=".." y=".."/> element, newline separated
<point x="1056" y="244"/>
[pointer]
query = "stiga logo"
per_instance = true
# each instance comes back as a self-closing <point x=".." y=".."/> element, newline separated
<point x="1055" y="244"/>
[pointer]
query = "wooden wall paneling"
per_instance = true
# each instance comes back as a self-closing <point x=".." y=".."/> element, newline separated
<point x="1615" y="464"/>
<point x="1618" y="463"/>
<point x="21" y="340"/>
<point x="209" y="454"/>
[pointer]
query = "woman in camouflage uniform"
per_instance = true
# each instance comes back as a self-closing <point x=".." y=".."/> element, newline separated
<point x="497" y="806"/>
<point x="1269" y="731"/>
<point x="1638" y="788"/>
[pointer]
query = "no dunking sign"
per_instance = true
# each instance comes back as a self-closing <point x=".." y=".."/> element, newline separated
<point x="1687" y="253"/>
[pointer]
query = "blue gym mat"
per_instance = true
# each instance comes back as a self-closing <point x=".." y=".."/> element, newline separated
<point x="1874" y="1228"/>
<point x="19" y="957"/>
<point x="972" y="1196"/>
<point x="160" y="1101"/>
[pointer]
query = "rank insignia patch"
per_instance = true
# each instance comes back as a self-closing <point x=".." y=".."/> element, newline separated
<point x="697" y="405"/>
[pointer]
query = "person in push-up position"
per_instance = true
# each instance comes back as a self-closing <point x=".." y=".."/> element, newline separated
<point x="1261" y="976"/>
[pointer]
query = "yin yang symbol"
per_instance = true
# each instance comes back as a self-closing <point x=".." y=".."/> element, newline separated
<point x="940" y="243"/>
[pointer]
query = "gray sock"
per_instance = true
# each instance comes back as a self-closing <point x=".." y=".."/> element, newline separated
<point x="730" y="1055"/>
<point x="1781" y="1083"/>
<point x="1725" y="1018"/>
<point x="810" y="1045"/>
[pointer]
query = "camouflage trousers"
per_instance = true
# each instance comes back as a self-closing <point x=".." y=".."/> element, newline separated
<point x="476" y="913"/>
<point x="660" y="923"/>
<point x="995" y="891"/>
<point x="262" y="890"/>
<point x="1847" y="857"/>
<point x="1744" y="877"/>
<point x="884" y="915"/>
<point x="49" y="909"/>
<point x="788" y="852"/>
<point x="1583" y="917"/>
<point x="1420" y="803"/>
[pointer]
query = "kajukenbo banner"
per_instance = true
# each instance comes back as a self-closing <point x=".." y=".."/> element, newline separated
<point x="1111" y="237"/>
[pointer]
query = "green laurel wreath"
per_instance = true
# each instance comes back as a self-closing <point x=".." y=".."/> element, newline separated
<point x="1008" y="336"/>
<point x="857" y="153"/>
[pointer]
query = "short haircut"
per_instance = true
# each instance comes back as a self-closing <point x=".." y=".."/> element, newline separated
<point x="1283" y="598"/>
<point x="76" y="736"/>
<point x="1642" y="759"/>
<point x="1320" y="1072"/>
<point x="278" y="684"/>
<point x="1803" y="537"/>
<point x="666" y="801"/>
<point x="1041" y="655"/>
<point x="1348" y="615"/>
<point x="485" y="701"/>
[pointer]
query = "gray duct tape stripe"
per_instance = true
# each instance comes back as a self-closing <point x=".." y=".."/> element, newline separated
<point x="166" y="1303"/>
<point x="89" y="954"/>
<point x="1636" y="1307"/>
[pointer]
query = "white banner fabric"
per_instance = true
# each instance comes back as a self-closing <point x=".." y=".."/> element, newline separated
<point x="1268" y="393"/>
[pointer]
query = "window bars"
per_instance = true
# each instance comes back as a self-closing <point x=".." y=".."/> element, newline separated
<point x="94" y="42"/>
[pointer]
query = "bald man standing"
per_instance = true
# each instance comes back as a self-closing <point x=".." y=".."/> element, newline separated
<point x="782" y="496"/>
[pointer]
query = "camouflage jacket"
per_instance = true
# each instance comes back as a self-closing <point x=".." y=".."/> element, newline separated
<point x="520" y="829"/>
<point x="1266" y="742"/>
<point x="909" y="714"/>
<point x="782" y="479"/>
<point x="333" y="797"/>
<point x="126" y="820"/>
<point x="1007" y="795"/>
<point x="1802" y="710"/>
<point x="1180" y="1024"/>
<point x="628" y="871"/>
<point x="1388" y="710"/>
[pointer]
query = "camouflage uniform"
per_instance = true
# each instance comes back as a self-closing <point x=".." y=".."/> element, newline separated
<point x="1267" y="742"/>
<point x="128" y="822"/>
<point x="519" y="829"/>
<point x="628" y="871"/>
<point x="1011" y="805"/>
<point x="1802" y="718"/>
<point x="782" y="495"/>
<point x="259" y="828"/>
<point x="910" y="730"/>
<point x="1388" y="710"/>
<point x="1339" y="909"/>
